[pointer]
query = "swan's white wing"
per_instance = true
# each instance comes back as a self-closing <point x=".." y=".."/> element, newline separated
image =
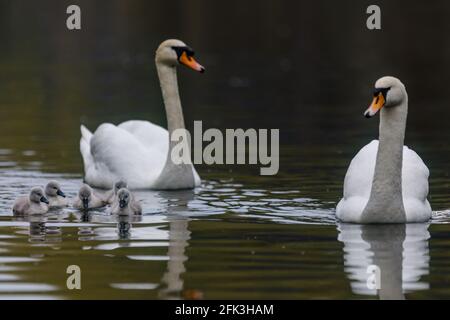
<point x="153" y="137"/>
<point x="135" y="151"/>
<point x="150" y="135"/>
<point x="415" y="187"/>
<point x="118" y="154"/>
<point x="358" y="185"/>
<point x="358" y="180"/>
<point x="85" y="148"/>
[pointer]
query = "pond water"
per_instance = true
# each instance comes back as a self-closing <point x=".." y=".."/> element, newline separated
<point x="239" y="235"/>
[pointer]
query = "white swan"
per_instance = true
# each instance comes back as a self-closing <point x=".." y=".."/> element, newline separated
<point x="386" y="182"/>
<point x="139" y="151"/>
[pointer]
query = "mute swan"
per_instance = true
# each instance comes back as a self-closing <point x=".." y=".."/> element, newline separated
<point x="55" y="196"/>
<point x="125" y="204"/>
<point x="386" y="182"/>
<point x="139" y="151"/>
<point x="35" y="203"/>
<point x="87" y="199"/>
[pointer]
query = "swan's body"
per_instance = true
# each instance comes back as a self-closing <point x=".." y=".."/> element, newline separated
<point x="386" y="181"/>
<point x="139" y="151"/>
<point x="359" y="178"/>
<point x="35" y="203"/>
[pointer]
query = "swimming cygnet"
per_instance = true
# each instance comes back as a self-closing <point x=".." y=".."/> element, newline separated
<point x="125" y="204"/>
<point x="111" y="195"/>
<point x="87" y="199"/>
<point x="35" y="203"/>
<point x="55" y="196"/>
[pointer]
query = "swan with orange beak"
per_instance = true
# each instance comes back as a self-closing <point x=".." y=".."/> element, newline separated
<point x="386" y="181"/>
<point x="140" y="151"/>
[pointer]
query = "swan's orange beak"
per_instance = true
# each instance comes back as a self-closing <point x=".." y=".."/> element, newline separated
<point x="377" y="103"/>
<point x="191" y="63"/>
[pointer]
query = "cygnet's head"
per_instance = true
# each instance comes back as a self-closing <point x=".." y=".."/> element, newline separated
<point x="174" y="52"/>
<point x="53" y="189"/>
<point x="119" y="185"/>
<point x="389" y="92"/>
<point x="124" y="197"/>
<point x="85" y="194"/>
<point x="37" y="195"/>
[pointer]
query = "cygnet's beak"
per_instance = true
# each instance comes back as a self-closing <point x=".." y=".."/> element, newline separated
<point x="60" y="193"/>
<point x="85" y="203"/>
<point x="122" y="204"/>
<point x="44" y="200"/>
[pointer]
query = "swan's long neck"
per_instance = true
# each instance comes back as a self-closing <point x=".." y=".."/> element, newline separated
<point x="169" y="87"/>
<point x="386" y="200"/>
<point x="173" y="176"/>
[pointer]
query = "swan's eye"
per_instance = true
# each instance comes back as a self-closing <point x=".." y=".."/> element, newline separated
<point x="180" y="50"/>
<point x="383" y="91"/>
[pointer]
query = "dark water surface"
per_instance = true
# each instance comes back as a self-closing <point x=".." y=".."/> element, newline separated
<point x="304" y="67"/>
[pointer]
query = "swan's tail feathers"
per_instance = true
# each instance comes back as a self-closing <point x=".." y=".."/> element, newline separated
<point x="85" y="148"/>
<point x="85" y="133"/>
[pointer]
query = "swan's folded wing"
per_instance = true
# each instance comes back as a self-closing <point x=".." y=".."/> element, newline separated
<point x="153" y="137"/>
<point x="85" y="148"/>
<point x="358" y="180"/>
<point x="358" y="184"/>
<point x="414" y="176"/>
<point x="415" y="187"/>
<point x="150" y="135"/>
<point x="359" y="177"/>
<point x="118" y="154"/>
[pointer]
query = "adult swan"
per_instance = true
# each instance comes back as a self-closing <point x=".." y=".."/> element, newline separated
<point x="386" y="182"/>
<point x="139" y="151"/>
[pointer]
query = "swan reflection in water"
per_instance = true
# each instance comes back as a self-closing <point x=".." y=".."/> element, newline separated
<point x="400" y="251"/>
<point x="179" y="235"/>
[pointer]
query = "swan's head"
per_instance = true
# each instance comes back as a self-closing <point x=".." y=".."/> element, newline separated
<point x="53" y="189"/>
<point x="389" y="92"/>
<point x="37" y="195"/>
<point x="124" y="196"/>
<point x="85" y="194"/>
<point x="119" y="185"/>
<point x="174" y="52"/>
